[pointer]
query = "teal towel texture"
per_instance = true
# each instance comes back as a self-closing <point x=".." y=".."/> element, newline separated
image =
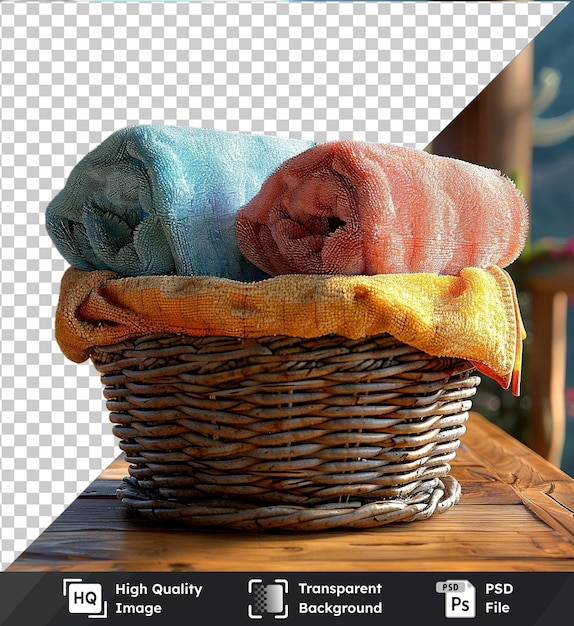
<point x="163" y="200"/>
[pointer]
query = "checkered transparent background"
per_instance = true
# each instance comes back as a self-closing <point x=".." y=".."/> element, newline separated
<point x="72" y="73"/>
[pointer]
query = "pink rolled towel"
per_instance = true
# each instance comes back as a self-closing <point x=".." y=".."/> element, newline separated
<point x="348" y="207"/>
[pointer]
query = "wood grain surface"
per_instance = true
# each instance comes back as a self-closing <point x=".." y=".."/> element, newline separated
<point x="515" y="514"/>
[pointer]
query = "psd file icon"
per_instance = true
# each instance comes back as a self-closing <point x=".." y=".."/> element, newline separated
<point x="85" y="598"/>
<point x="268" y="599"/>
<point x="459" y="598"/>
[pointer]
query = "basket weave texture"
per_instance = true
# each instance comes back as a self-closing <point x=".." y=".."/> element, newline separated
<point x="285" y="433"/>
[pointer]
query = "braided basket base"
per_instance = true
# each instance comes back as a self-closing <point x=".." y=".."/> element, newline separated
<point x="434" y="496"/>
<point x="285" y="433"/>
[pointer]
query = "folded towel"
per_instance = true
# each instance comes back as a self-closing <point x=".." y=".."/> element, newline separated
<point x="348" y="207"/>
<point x="474" y="316"/>
<point x="163" y="200"/>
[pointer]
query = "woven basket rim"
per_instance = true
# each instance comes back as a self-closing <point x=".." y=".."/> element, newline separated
<point x="454" y="318"/>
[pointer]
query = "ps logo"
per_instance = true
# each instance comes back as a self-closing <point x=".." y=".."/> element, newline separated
<point x="460" y="598"/>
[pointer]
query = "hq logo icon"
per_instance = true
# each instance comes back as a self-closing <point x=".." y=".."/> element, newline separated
<point x="85" y="598"/>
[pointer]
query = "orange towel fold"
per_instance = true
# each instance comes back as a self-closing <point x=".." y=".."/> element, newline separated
<point x="357" y="208"/>
<point x="473" y="316"/>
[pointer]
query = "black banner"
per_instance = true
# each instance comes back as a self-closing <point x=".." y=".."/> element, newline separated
<point x="88" y="599"/>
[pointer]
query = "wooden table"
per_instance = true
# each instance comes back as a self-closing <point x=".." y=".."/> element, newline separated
<point x="515" y="514"/>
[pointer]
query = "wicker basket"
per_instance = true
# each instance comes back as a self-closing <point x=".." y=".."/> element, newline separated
<point x="285" y="433"/>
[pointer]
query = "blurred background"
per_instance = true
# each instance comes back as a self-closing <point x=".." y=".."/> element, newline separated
<point x="522" y="123"/>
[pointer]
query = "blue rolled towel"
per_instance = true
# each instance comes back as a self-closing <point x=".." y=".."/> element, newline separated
<point x="163" y="200"/>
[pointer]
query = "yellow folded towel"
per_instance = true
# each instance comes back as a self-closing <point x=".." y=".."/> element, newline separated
<point x="473" y="316"/>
